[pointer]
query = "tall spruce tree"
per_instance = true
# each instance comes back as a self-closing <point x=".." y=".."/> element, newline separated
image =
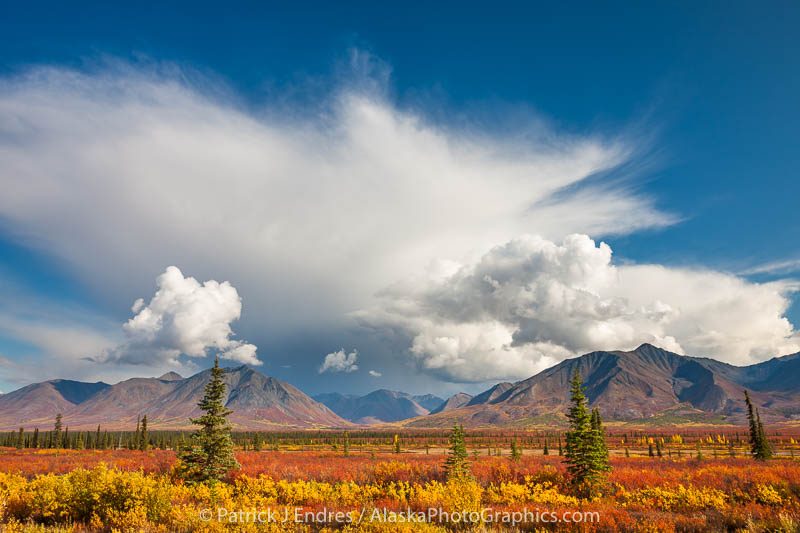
<point x="764" y="449"/>
<point x="209" y="454"/>
<point x="144" y="438"/>
<point x="585" y="451"/>
<point x="456" y="464"/>
<point x="759" y="446"/>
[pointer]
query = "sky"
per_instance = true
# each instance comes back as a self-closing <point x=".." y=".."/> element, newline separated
<point x="428" y="198"/>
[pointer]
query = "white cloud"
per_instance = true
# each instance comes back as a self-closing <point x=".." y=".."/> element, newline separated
<point x="340" y="362"/>
<point x="183" y="317"/>
<point x="530" y="303"/>
<point x="121" y="171"/>
<point x="375" y="373"/>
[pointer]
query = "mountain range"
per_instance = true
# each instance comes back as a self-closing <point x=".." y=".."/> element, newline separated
<point x="647" y="385"/>
<point x="257" y="401"/>
<point x="379" y="406"/>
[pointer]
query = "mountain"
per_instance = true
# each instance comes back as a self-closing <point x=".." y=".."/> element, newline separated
<point x="44" y="399"/>
<point x="453" y="402"/>
<point x="376" y="407"/>
<point x="257" y="401"/>
<point x="428" y="401"/>
<point x="648" y="385"/>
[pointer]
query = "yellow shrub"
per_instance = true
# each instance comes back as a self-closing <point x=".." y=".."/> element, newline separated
<point x="679" y="499"/>
<point x="767" y="495"/>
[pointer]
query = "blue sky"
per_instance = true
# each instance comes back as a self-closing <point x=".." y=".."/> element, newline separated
<point x="702" y="98"/>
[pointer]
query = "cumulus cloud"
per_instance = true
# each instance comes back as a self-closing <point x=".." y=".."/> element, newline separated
<point x="121" y="171"/>
<point x="184" y="317"/>
<point x="375" y="373"/>
<point x="340" y="362"/>
<point x="530" y="303"/>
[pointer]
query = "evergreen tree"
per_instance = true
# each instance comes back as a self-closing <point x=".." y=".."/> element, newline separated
<point x="585" y="452"/>
<point x="560" y="448"/>
<point x="764" y="449"/>
<point x="258" y="444"/>
<point x="516" y="453"/>
<point x="57" y="442"/>
<point x="21" y="439"/>
<point x="209" y="456"/>
<point x="627" y="452"/>
<point x="35" y="441"/>
<point x="456" y="464"/>
<point x="346" y="444"/>
<point x="144" y="438"/>
<point x="79" y="445"/>
<point x="759" y="446"/>
<point x="650" y="449"/>
<point x="699" y="452"/>
<point x="545" y="450"/>
<point x="98" y="442"/>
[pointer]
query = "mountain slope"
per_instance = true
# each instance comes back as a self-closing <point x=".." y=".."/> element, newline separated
<point x="40" y="400"/>
<point x="257" y="401"/>
<point x="638" y="385"/>
<point x="453" y="402"/>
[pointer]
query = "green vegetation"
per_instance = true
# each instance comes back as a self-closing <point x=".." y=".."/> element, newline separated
<point x="209" y="454"/>
<point x="585" y="452"/>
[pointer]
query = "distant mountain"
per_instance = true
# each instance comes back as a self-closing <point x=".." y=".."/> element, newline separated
<point x="453" y="402"/>
<point x="257" y="401"/>
<point x="428" y="401"/>
<point x="646" y="384"/>
<point x="377" y="406"/>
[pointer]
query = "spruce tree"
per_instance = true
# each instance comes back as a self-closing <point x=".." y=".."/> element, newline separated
<point x="209" y="455"/>
<point x="346" y="444"/>
<point x="144" y="438"/>
<point x="57" y="442"/>
<point x="759" y="446"/>
<point x="35" y="441"/>
<point x="764" y="449"/>
<point x="456" y="464"/>
<point x="585" y="452"/>
<point x="21" y="439"/>
<point x="516" y="454"/>
<point x="545" y="450"/>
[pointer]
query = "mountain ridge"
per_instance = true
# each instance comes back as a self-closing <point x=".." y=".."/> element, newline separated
<point x="644" y="385"/>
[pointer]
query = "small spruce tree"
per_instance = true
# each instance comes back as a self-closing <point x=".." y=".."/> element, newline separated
<point x="516" y="453"/>
<point x="57" y="438"/>
<point x="456" y="464"/>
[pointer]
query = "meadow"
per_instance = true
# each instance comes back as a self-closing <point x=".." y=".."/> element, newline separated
<point x="312" y="482"/>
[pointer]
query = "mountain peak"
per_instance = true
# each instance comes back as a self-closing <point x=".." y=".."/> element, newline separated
<point x="170" y="376"/>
